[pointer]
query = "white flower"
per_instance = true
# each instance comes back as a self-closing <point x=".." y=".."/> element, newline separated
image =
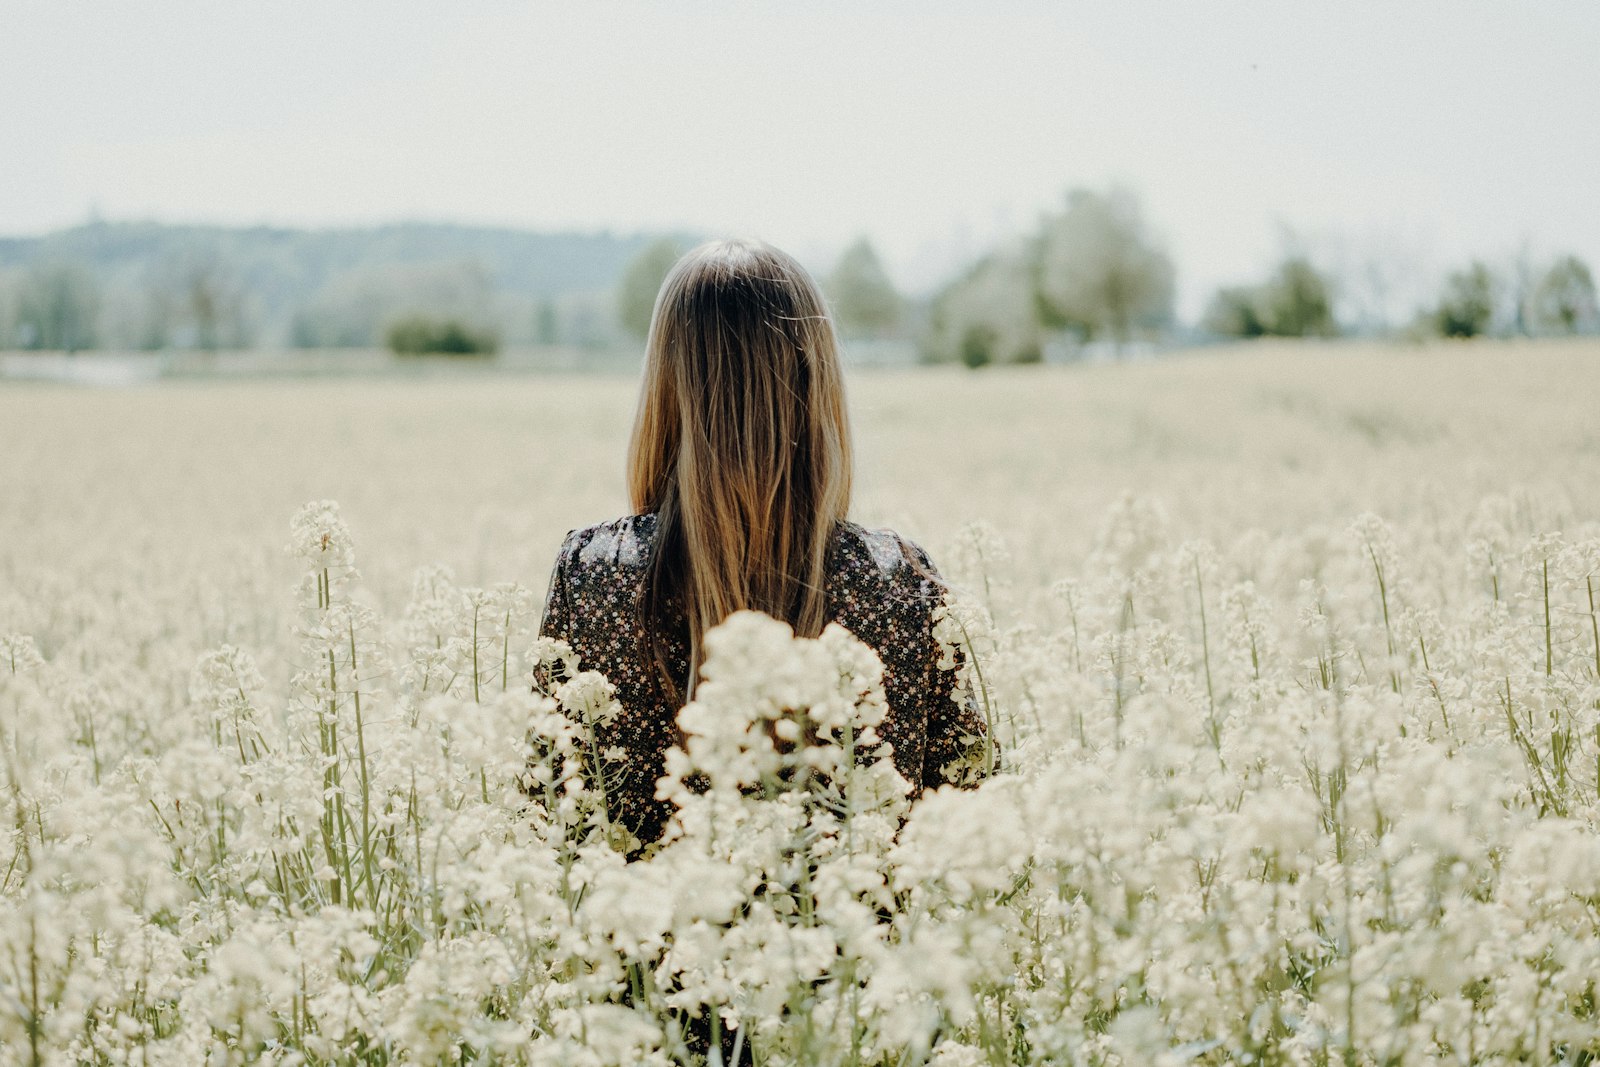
<point x="18" y="653"/>
<point x="320" y="537"/>
<point x="590" y="697"/>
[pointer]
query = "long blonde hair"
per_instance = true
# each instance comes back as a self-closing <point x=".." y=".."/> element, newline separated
<point x="741" y="444"/>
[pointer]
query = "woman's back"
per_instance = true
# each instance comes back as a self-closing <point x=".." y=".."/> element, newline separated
<point x="879" y="586"/>
<point x="739" y="474"/>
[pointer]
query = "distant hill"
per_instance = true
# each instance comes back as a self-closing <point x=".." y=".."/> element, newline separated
<point x="151" y="285"/>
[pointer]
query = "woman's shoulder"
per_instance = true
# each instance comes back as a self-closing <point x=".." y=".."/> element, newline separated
<point x="623" y="542"/>
<point x="886" y="553"/>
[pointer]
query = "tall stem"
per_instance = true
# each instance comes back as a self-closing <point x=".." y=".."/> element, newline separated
<point x="1549" y="647"/>
<point x="1594" y="624"/>
<point x="1388" y="630"/>
<point x="1205" y="655"/>
<point x="366" y="780"/>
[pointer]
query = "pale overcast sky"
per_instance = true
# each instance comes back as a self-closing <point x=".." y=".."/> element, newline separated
<point x="1416" y="133"/>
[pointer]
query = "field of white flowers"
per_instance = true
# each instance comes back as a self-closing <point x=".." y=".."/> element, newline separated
<point x="1294" y="656"/>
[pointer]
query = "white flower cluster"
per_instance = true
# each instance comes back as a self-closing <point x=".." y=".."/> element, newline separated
<point x="1323" y="797"/>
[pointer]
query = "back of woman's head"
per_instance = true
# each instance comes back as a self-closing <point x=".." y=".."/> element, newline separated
<point x="741" y="445"/>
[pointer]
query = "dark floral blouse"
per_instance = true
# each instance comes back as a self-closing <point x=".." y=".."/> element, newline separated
<point x="874" y="590"/>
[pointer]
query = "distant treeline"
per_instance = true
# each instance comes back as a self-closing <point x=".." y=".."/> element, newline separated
<point x="1090" y="275"/>
<point x="148" y="286"/>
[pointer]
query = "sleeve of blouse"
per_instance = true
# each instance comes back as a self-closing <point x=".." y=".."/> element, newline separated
<point x="557" y="602"/>
<point x="959" y="749"/>
<point x="557" y="621"/>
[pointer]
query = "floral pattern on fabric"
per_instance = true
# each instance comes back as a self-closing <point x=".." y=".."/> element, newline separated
<point x="881" y="587"/>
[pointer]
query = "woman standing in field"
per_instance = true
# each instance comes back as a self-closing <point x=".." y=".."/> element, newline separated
<point x="739" y="470"/>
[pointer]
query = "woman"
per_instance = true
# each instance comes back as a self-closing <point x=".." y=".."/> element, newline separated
<point x="739" y="470"/>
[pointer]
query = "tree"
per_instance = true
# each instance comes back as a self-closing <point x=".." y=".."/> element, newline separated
<point x="357" y="307"/>
<point x="864" y="299"/>
<point x="1236" y="312"/>
<point x="420" y="335"/>
<point x="1374" y="272"/>
<point x="1564" y="298"/>
<point x="1296" y="301"/>
<point x="988" y="315"/>
<point x="1466" y="309"/>
<point x="636" y="292"/>
<point x="214" y="303"/>
<point x="1099" y="271"/>
<point x="1521" y="295"/>
<point x="546" y="324"/>
<point x="57" y="308"/>
<point x="156" y="316"/>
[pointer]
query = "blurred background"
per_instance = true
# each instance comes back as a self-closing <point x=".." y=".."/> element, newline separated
<point x="364" y="188"/>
